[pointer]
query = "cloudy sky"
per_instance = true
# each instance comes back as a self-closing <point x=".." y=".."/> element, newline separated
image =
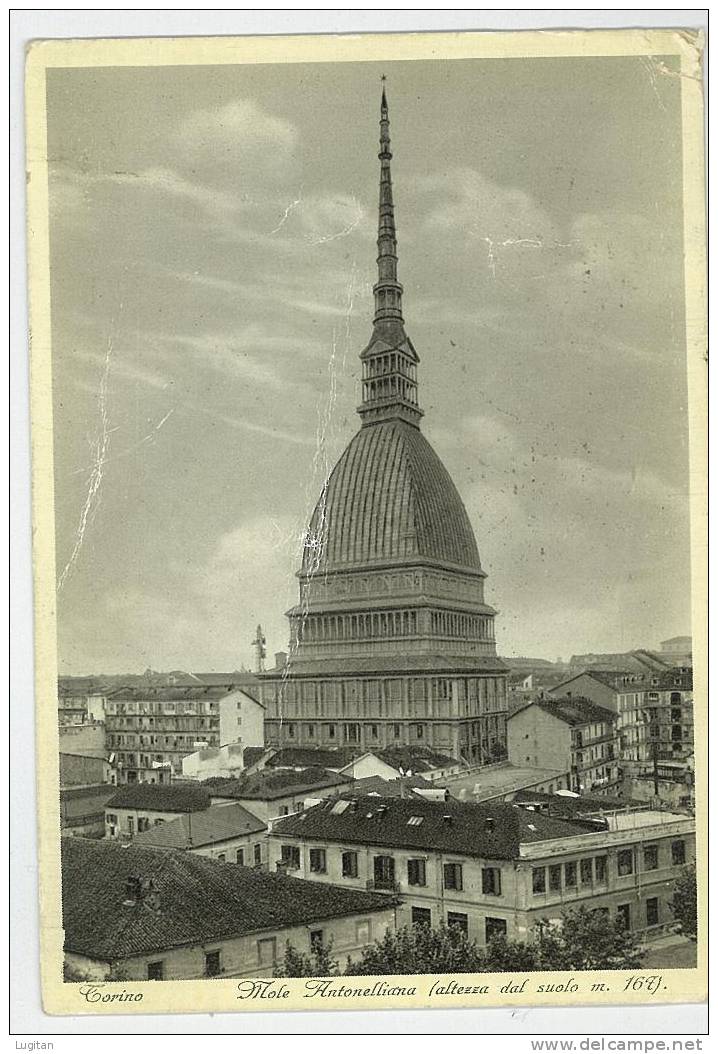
<point x="212" y="235"/>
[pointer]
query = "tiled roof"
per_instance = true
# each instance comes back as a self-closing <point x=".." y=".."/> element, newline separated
<point x="446" y="827"/>
<point x="388" y="788"/>
<point x="216" y="824"/>
<point x="272" y="783"/>
<point x="173" y="693"/>
<point x="170" y="797"/>
<point x="306" y="757"/>
<point x="252" y="755"/>
<point x="576" y="710"/>
<point x="565" y="805"/>
<point x="390" y="500"/>
<point x="617" y="680"/>
<point x="92" y="800"/>
<point x="197" y="900"/>
<point x="417" y="759"/>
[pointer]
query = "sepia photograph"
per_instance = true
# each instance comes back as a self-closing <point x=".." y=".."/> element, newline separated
<point x="369" y="482"/>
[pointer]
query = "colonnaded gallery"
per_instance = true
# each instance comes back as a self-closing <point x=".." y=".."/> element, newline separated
<point x="391" y="643"/>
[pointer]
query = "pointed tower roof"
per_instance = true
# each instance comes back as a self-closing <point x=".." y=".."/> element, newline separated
<point x="389" y="382"/>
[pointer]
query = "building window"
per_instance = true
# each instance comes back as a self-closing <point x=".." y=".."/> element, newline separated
<point x="419" y="731"/>
<point x="538" y="879"/>
<point x="494" y="928"/>
<point x="332" y="731"/>
<point x="397" y="731"/>
<point x="625" y="862"/>
<point x="156" y="971"/>
<point x="240" y="856"/>
<point x="457" y="918"/>
<point x="601" y="868"/>
<point x="258" y="853"/>
<point x="267" y="951"/>
<point x="491" y="881"/>
<point x="351" y="733"/>
<point x="416" y="872"/>
<point x="453" y="877"/>
<point x="212" y="964"/>
<point x="678" y="852"/>
<point x="652" y="911"/>
<point x="586" y="872"/>
<point x="650" y="858"/>
<point x="350" y="865"/>
<point x="624" y="913"/>
<point x="384" y="872"/>
<point x="363" y="932"/>
<point x="290" y="731"/>
<point x="554" y="878"/>
<point x="421" y="917"/>
<point x="290" y="857"/>
<point x="316" y="939"/>
<point x="222" y="858"/>
<point x="318" y="861"/>
<point x="310" y="731"/>
<point x="569" y="875"/>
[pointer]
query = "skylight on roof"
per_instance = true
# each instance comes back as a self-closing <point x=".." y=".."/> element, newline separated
<point x="339" y="807"/>
<point x="414" y="821"/>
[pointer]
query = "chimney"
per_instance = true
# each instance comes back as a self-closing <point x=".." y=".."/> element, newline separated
<point x="489" y="825"/>
<point x="280" y="659"/>
<point x="133" y="891"/>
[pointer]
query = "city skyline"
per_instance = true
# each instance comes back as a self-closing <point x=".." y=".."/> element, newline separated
<point x="216" y="303"/>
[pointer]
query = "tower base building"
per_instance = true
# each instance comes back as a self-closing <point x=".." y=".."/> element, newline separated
<point x="392" y="642"/>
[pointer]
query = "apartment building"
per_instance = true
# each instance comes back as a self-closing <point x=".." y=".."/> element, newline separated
<point x="491" y="869"/>
<point x="152" y="728"/>
<point x="573" y="735"/>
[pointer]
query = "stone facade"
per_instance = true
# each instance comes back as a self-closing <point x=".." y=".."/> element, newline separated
<point x="630" y="869"/>
<point x="392" y="641"/>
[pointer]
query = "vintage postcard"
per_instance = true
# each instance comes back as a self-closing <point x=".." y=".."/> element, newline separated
<point x="369" y="418"/>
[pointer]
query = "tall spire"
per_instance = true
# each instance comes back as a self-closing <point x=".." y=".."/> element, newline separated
<point x="389" y="362"/>
<point x="387" y="291"/>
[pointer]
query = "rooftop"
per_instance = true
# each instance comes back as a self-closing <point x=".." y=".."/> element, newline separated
<point x="416" y="759"/>
<point x="219" y="823"/>
<point x="173" y="693"/>
<point x="567" y="805"/>
<point x="169" y="797"/>
<point x="376" y="785"/>
<point x="492" y="832"/>
<point x="576" y="711"/>
<point x="273" y="783"/>
<point x="496" y="782"/>
<point x="195" y="900"/>
<point x="307" y="757"/>
<point x="629" y="821"/>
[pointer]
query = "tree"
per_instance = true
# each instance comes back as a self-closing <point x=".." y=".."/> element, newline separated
<point x="587" y="939"/>
<point x="505" y="956"/>
<point x="685" y="903"/>
<point x="317" y="963"/>
<point x="420" y="949"/>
